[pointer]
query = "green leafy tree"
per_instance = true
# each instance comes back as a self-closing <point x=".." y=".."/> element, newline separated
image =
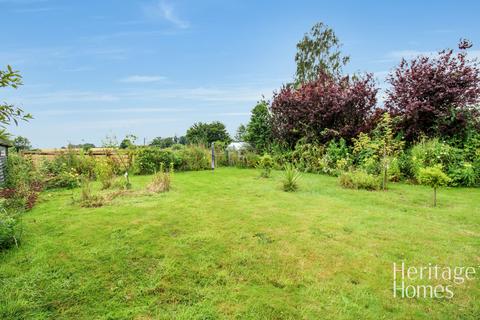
<point x="128" y="141"/>
<point x="163" y="142"/>
<point x="318" y="51"/>
<point x="206" y="133"/>
<point x="21" y="143"/>
<point x="433" y="177"/>
<point x="9" y="113"/>
<point x="259" y="129"/>
<point x="240" y="134"/>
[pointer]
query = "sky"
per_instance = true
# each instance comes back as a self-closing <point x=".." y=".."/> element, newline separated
<point x="153" y="68"/>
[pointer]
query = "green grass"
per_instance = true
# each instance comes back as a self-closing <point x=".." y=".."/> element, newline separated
<point x="232" y="245"/>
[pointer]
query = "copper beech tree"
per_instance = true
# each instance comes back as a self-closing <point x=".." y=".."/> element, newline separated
<point x="323" y="109"/>
<point x="436" y="96"/>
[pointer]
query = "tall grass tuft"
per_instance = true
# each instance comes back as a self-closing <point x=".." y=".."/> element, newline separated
<point x="162" y="180"/>
<point x="290" y="178"/>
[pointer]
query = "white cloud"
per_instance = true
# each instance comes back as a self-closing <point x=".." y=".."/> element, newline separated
<point x="166" y="12"/>
<point x="142" y="79"/>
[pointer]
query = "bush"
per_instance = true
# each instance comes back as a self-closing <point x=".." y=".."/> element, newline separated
<point x="464" y="175"/>
<point x="290" y="178"/>
<point x="10" y="229"/>
<point x="359" y="180"/>
<point x="66" y="178"/>
<point x="194" y="158"/>
<point x="266" y="164"/>
<point x="307" y="157"/>
<point x="105" y="174"/>
<point x="430" y="153"/>
<point x="22" y="184"/>
<point x="149" y="159"/>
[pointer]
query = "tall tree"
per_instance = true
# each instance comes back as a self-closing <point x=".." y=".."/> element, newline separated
<point x="206" y="133"/>
<point x="436" y="96"/>
<point x="240" y="134"/>
<point x="8" y="112"/>
<point x="319" y="51"/>
<point x="259" y="129"/>
<point x="21" y="143"/>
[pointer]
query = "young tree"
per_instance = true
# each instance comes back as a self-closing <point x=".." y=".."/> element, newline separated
<point x="436" y="96"/>
<point x="326" y="108"/>
<point x="259" y="129"/>
<point x="8" y="112"/>
<point x="433" y="177"/>
<point x="21" y="143"/>
<point x="128" y="141"/>
<point x="206" y="133"/>
<point x="318" y="51"/>
<point x="240" y="134"/>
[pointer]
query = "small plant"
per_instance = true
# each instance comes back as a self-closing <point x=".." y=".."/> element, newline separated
<point x="290" y="178"/>
<point x="10" y="229"/>
<point x="87" y="198"/>
<point x="359" y="180"/>
<point x="433" y="177"/>
<point x="162" y="180"/>
<point x="266" y="164"/>
<point x="105" y="174"/>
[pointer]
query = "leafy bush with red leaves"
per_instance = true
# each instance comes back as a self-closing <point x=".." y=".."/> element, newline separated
<point x="329" y="107"/>
<point x="436" y="96"/>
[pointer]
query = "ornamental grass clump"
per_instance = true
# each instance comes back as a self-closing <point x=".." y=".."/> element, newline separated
<point x="162" y="180"/>
<point x="290" y="178"/>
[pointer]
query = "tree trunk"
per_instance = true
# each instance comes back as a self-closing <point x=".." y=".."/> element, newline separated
<point x="434" y="197"/>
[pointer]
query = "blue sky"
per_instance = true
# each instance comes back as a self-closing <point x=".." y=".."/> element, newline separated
<point x="152" y="68"/>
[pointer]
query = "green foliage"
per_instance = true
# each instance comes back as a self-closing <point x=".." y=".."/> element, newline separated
<point x="21" y="143"/>
<point x="241" y="133"/>
<point x="337" y="157"/>
<point x="259" y="129"/>
<point x="206" y="133"/>
<point x="8" y="112"/>
<point x="433" y="177"/>
<point x="128" y="142"/>
<point x="464" y="175"/>
<point x="359" y="179"/>
<point x="22" y="183"/>
<point x="307" y="156"/>
<point x="162" y="142"/>
<point x="318" y="51"/>
<point x="104" y="172"/>
<point x="291" y="177"/>
<point x="266" y="164"/>
<point x="194" y="158"/>
<point x="10" y="229"/>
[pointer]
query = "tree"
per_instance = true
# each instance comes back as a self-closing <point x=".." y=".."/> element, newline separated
<point x="318" y="51"/>
<point x="433" y="177"/>
<point x="163" y="142"/>
<point x="326" y="108"/>
<point x="128" y="141"/>
<point x="21" y="143"/>
<point x="436" y="96"/>
<point x="206" y="133"/>
<point x="8" y="112"/>
<point x="240" y="134"/>
<point x="259" y="129"/>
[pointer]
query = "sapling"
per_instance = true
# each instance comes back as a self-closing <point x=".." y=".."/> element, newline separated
<point x="433" y="177"/>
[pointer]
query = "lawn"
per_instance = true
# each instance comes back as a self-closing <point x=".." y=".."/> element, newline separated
<point x="231" y="245"/>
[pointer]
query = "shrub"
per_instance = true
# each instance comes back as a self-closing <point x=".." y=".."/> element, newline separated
<point x="161" y="180"/>
<point x="266" y="164"/>
<point x="22" y="184"/>
<point x="359" y="180"/>
<point x="66" y="178"/>
<point x="149" y="159"/>
<point x="464" y="175"/>
<point x="290" y="178"/>
<point x="10" y="229"/>
<point x="105" y="174"/>
<point x="433" y="177"/>
<point x="194" y="158"/>
<point x="307" y="156"/>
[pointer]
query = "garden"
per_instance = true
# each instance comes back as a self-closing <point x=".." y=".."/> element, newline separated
<point x="304" y="221"/>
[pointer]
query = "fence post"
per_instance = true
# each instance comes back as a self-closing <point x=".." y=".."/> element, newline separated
<point x="213" y="156"/>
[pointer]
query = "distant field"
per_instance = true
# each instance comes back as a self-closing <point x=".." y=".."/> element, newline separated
<point x="231" y="245"/>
